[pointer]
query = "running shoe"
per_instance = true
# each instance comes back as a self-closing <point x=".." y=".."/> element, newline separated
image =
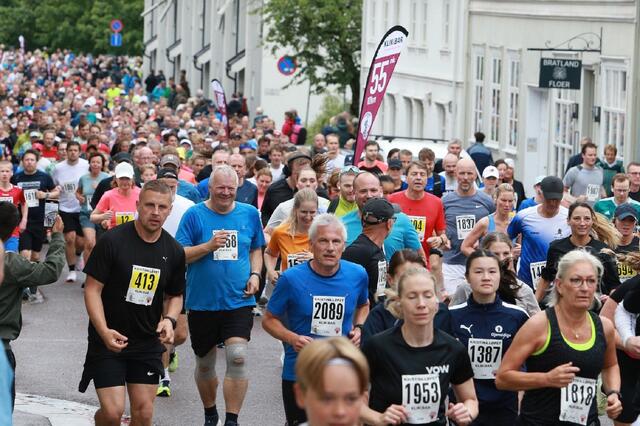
<point x="257" y="312"/>
<point x="173" y="362"/>
<point x="71" y="277"/>
<point x="164" y="388"/>
<point x="35" y="299"/>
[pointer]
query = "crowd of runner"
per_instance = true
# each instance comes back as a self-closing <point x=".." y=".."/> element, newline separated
<point x="405" y="289"/>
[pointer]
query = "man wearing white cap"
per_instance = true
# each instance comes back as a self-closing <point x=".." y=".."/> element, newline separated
<point x="490" y="180"/>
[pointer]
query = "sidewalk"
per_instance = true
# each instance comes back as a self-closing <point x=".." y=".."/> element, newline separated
<point x="33" y="410"/>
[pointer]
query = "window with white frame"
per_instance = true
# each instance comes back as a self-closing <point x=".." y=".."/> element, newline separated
<point x="496" y="92"/>
<point x="446" y="16"/>
<point x="425" y="14"/>
<point x="564" y="129"/>
<point x="478" y="91"/>
<point x="614" y="100"/>
<point x="372" y="19"/>
<point x="386" y="10"/>
<point x="514" y="100"/>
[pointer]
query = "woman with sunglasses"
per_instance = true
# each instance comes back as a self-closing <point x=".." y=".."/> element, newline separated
<point x="564" y="349"/>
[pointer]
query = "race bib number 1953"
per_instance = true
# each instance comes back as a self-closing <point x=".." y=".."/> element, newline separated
<point x="142" y="285"/>
<point x="421" y="397"/>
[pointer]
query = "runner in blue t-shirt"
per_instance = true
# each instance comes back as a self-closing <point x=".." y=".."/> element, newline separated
<point x="324" y="297"/>
<point x="539" y="225"/>
<point x="223" y="242"/>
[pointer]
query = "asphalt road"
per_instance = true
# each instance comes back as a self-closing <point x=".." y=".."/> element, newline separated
<point x="51" y="349"/>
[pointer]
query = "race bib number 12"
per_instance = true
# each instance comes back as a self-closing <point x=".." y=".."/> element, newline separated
<point x="421" y="397"/>
<point x="124" y="217"/>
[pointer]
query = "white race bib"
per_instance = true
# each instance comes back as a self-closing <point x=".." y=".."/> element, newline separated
<point x="327" y="316"/>
<point x="593" y="192"/>
<point x="576" y="399"/>
<point x="421" y="397"/>
<point x="382" y="278"/>
<point x="294" y="259"/>
<point x="142" y="285"/>
<point x="6" y="199"/>
<point x="419" y="224"/>
<point x="69" y="187"/>
<point x="30" y="196"/>
<point x="124" y="217"/>
<point x="485" y="355"/>
<point x="536" y="272"/>
<point x="230" y="250"/>
<point x="464" y="225"/>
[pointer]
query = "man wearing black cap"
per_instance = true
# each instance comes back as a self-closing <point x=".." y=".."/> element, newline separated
<point x="539" y="226"/>
<point x="283" y="189"/>
<point x="366" y="250"/>
<point x="625" y="220"/>
<point x="395" y="173"/>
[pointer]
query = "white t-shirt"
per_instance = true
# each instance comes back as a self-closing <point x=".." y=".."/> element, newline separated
<point x="276" y="173"/>
<point x="180" y="206"/>
<point x="283" y="211"/>
<point x="67" y="177"/>
<point x="336" y="163"/>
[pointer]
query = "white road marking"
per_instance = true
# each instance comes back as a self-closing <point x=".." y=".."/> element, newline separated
<point x="57" y="411"/>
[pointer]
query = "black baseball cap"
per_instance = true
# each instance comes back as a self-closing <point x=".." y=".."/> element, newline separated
<point x="378" y="210"/>
<point x="552" y="188"/>
<point x="394" y="163"/>
<point x="167" y="173"/>
<point x="296" y="155"/>
<point x="122" y="156"/>
<point x="624" y="211"/>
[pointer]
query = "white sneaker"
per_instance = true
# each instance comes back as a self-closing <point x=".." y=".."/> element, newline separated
<point x="79" y="263"/>
<point x="71" y="277"/>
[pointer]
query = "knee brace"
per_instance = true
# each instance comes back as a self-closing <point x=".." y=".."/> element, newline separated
<point x="236" y="355"/>
<point x="206" y="366"/>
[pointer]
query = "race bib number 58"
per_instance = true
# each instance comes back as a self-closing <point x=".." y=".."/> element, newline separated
<point x="230" y="249"/>
<point x="142" y="285"/>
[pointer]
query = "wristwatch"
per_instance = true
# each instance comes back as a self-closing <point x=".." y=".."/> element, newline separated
<point x="611" y="392"/>
<point x="257" y="274"/>
<point x="173" y="320"/>
<point x="360" y="326"/>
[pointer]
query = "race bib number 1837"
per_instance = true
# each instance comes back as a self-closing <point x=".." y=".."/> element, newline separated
<point x="464" y="225"/>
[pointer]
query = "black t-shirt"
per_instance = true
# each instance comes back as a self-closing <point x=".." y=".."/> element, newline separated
<point x="204" y="173"/>
<point x="559" y="248"/>
<point x="518" y="187"/>
<point x="390" y="357"/>
<point x="39" y="181"/>
<point x="634" y="245"/>
<point x="135" y="275"/>
<point x="366" y="253"/>
<point x="103" y="186"/>
<point x="278" y="193"/>
<point x="624" y="288"/>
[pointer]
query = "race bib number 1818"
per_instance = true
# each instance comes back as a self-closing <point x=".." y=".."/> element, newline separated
<point x="576" y="399"/>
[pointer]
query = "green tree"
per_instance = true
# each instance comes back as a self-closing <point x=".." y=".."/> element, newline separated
<point x="324" y="38"/>
<point x="331" y="106"/>
<point x="79" y="25"/>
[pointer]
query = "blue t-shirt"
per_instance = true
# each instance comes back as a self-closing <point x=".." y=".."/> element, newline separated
<point x="537" y="233"/>
<point x="403" y="235"/>
<point x="529" y="202"/>
<point x="218" y="285"/>
<point x="429" y="186"/>
<point x="188" y="191"/>
<point x="292" y="301"/>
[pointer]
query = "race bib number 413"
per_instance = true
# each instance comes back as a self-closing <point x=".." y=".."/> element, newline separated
<point x="421" y="397"/>
<point x="142" y="285"/>
<point x="576" y="399"/>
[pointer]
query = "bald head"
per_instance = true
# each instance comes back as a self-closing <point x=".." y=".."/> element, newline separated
<point x="449" y="164"/>
<point x="366" y="186"/>
<point x="466" y="175"/>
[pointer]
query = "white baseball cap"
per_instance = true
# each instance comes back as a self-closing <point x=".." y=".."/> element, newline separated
<point x="124" y="170"/>
<point x="490" y="171"/>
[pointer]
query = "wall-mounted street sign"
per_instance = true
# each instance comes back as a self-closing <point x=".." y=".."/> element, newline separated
<point x="560" y="73"/>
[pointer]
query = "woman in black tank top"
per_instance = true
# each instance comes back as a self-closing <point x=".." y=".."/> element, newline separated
<point x="564" y="349"/>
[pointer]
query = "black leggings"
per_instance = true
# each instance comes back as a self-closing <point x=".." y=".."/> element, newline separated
<point x="295" y="415"/>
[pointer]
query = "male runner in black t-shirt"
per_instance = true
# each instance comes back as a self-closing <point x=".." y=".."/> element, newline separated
<point x="133" y="293"/>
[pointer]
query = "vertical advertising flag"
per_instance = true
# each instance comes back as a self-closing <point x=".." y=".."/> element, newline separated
<point x="221" y="103"/>
<point x="382" y="65"/>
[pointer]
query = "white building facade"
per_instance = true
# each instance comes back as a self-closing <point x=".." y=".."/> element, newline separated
<point x="492" y="77"/>
<point x="221" y="39"/>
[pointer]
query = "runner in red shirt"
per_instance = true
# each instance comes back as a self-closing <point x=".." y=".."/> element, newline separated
<point x="424" y="210"/>
<point x="12" y="194"/>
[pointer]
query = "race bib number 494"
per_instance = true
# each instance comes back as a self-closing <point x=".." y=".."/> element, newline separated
<point x="142" y="285"/>
<point x="419" y="224"/>
<point x="421" y="397"/>
<point x="576" y="399"/>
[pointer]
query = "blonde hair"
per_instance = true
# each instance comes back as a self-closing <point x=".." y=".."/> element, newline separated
<point x="305" y="194"/>
<point x="394" y="295"/>
<point x="567" y="262"/>
<point x="503" y="187"/>
<point x="605" y="231"/>
<point x="632" y="258"/>
<point x="317" y="355"/>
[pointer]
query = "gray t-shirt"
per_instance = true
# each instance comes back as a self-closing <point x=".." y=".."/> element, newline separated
<point x="461" y="215"/>
<point x="582" y="181"/>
